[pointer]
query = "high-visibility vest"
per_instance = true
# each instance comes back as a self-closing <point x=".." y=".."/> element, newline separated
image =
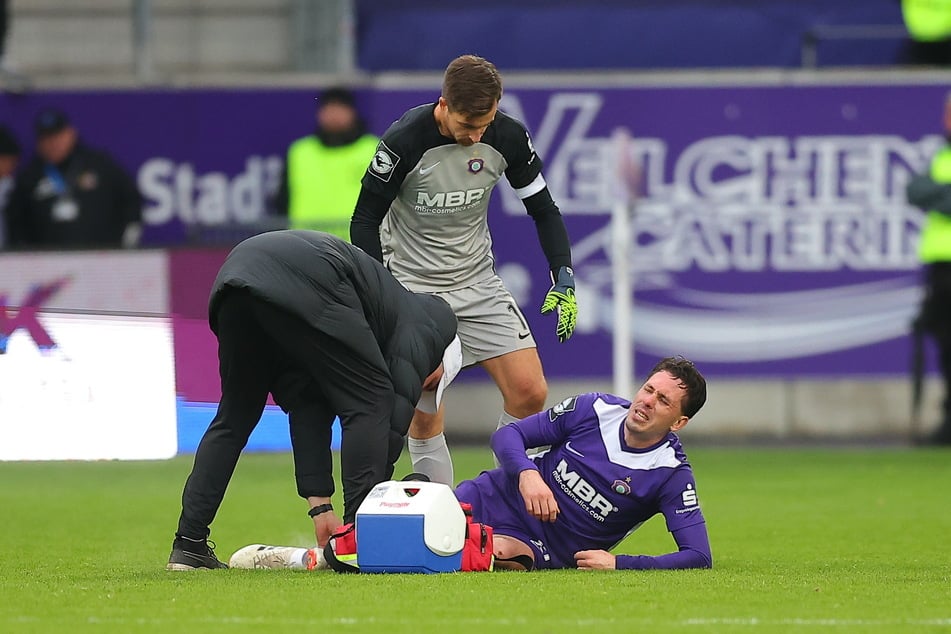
<point x="324" y="182"/>
<point x="935" y="244"/>
<point x="927" y="20"/>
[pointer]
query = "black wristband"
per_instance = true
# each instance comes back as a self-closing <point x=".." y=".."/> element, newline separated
<point x="320" y="508"/>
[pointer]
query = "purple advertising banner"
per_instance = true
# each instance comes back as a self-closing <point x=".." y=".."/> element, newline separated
<point x="770" y="236"/>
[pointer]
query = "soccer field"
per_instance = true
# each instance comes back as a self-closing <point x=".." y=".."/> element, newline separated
<point x="846" y="540"/>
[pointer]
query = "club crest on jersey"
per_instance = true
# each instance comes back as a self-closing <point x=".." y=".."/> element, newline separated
<point x="476" y="165"/>
<point x="621" y="487"/>
<point x="567" y="405"/>
<point x="383" y="163"/>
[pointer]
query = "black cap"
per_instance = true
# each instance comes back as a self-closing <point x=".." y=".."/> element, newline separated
<point x="50" y="121"/>
<point x="337" y="95"/>
<point x="8" y="143"/>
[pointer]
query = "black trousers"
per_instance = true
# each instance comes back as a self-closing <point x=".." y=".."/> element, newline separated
<point x="262" y="350"/>
<point x="936" y="318"/>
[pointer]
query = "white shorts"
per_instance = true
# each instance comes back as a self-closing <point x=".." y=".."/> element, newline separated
<point x="490" y="322"/>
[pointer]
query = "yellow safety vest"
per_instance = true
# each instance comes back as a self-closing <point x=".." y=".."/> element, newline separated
<point x="324" y="182"/>
<point x="935" y="245"/>
<point x="927" y="20"/>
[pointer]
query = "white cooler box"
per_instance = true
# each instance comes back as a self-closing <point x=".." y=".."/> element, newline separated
<point x="410" y="527"/>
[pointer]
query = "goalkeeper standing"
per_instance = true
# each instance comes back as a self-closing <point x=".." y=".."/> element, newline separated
<point x="422" y="211"/>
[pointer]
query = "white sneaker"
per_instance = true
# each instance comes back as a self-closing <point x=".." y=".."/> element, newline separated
<point x="261" y="556"/>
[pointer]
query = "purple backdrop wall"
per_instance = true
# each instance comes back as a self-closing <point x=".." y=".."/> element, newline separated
<point x="771" y="236"/>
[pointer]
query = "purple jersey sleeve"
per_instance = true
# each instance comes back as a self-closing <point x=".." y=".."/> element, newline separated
<point x="545" y="428"/>
<point x="694" y="552"/>
<point x="681" y="509"/>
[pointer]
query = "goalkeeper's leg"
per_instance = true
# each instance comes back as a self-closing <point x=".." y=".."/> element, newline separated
<point x="519" y="377"/>
<point x="427" y="447"/>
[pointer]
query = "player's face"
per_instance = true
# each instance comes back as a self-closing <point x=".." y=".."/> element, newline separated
<point x="655" y="410"/>
<point x="465" y="130"/>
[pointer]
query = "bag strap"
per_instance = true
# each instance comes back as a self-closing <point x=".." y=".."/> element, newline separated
<point x="341" y="549"/>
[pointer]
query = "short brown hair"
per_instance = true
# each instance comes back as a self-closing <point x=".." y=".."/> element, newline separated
<point x="694" y="384"/>
<point x="472" y="85"/>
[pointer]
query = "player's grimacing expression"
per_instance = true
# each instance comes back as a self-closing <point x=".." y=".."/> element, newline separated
<point x="465" y="129"/>
<point x="655" y="410"/>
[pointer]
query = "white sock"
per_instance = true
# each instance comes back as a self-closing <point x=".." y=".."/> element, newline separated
<point x="298" y="559"/>
<point x="431" y="457"/>
<point x="505" y="419"/>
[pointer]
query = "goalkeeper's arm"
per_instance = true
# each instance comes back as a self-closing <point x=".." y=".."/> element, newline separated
<point x="552" y="234"/>
<point x="554" y="240"/>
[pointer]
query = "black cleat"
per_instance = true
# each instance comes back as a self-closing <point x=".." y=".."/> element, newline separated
<point x="192" y="554"/>
<point x="415" y="477"/>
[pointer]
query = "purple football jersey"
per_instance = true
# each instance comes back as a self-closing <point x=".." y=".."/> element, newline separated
<point x="604" y="489"/>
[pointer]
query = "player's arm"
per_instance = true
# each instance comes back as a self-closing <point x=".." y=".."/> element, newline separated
<point x="693" y="552"/>
<point x="524" y="174"/>
<point x="677" y="500"/>
<point x="509" y="444"/>
<point x="370" y="210"/>
<point x="553" y="237"/>
<point x="550" y="226"/>
<point x="313" y="468"/>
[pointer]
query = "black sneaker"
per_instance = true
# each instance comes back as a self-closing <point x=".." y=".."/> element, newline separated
<point x="191" y="554"/>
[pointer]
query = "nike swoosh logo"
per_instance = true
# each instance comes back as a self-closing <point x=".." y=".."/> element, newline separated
<point x="525" y="336"/>
<point x="574" y="451"/>
<point x="426" y="170"/>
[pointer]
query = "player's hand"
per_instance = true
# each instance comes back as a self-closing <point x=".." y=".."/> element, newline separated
<point x="539" y="500"/>
<point x="324" y="526"/>
<point x="595" y="560"/>
<point x="561" y="297"/>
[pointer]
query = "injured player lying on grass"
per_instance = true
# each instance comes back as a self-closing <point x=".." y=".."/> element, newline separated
<point x="612" y="465"/>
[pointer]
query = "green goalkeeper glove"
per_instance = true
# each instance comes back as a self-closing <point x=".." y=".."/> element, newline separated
<point x="562" y="296"/>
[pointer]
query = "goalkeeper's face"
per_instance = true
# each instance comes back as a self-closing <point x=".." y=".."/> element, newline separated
<point x="462" y="128"/>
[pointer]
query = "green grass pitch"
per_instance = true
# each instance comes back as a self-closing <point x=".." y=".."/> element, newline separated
<point x="842" y="540"/>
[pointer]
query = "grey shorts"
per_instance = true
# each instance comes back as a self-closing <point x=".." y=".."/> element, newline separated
<point x="490" y="322"/>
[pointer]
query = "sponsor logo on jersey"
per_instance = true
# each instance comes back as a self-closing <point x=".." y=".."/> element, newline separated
<point x="574" y="451"/>
<point x="476" y="165"/>
<point x="448" y="202"/>
<point x="426" y="170"/>
<point x="567" y="405"/>
<point x="581" y="491"/>
<point x="689" y="497"/>
<point x="384" y="162"/>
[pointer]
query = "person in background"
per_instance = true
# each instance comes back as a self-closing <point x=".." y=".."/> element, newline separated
<point x="9" y="159"/>
<point x="931" y="192"/>
<point x="929" y="32"/>
<point x="70" y="195"/>
<point x="322" y="171"/>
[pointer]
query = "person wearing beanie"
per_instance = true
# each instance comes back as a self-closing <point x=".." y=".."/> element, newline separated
<point x="322" y="171"/>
